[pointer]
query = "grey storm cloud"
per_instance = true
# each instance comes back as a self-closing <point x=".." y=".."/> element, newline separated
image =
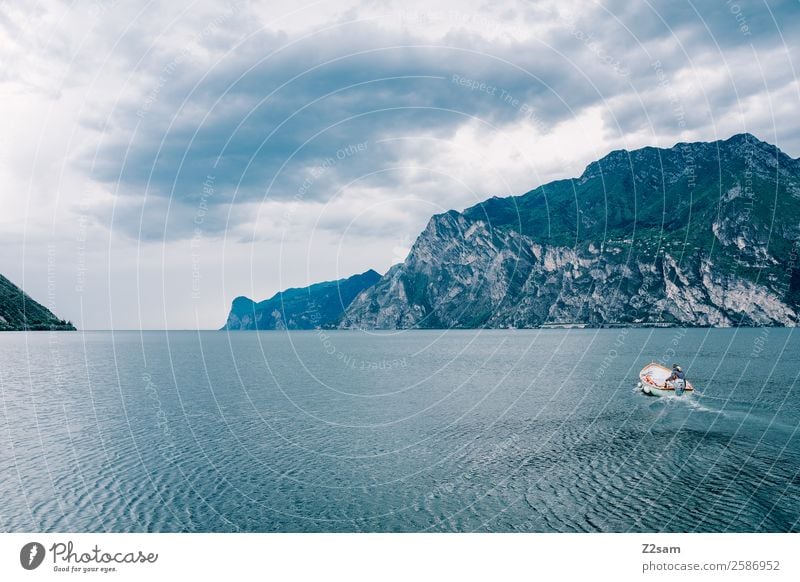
<point x="245" y="115"/>
<point x="260" y="117"/>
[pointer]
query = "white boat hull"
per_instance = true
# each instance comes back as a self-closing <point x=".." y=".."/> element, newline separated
<point x="655" y="391"/>
<point x="652" y="382"/>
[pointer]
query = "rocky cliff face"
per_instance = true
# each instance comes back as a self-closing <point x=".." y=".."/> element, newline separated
<point x="698" y="234"/>
<point x="19" y="312"/>
<point x="318" y="306"/>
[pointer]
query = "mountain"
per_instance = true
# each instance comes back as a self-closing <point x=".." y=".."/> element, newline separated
<point x="700" y="234"/>
<point x="320" y="305"/>
<point x="20" y="312"/>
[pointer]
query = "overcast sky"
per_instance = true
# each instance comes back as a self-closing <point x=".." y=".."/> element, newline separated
<point x="159" y="159"/>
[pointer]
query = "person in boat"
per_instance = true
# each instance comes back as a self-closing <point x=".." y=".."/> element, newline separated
<point x="678" y="379"/>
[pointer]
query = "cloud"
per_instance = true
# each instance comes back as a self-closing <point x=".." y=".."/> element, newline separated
<point x="266" y="113"/>
<point x="260" y="110"/>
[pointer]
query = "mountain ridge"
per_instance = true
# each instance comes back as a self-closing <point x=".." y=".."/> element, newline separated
<point x="317" y="305"/>
<point x="19" y="312"/>
<point x="703" y="233"/>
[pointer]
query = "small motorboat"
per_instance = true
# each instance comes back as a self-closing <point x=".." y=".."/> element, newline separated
<point x="653" y="381"/>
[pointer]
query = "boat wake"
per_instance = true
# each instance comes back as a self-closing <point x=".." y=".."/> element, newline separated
<point x="721" y="415"/>
<point x="694" y="404"/>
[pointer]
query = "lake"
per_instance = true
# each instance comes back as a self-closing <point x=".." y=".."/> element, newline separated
<point x="341" y="431"/>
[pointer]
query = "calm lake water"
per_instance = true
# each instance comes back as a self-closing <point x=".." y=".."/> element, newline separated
<point x="399" y="431"/>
